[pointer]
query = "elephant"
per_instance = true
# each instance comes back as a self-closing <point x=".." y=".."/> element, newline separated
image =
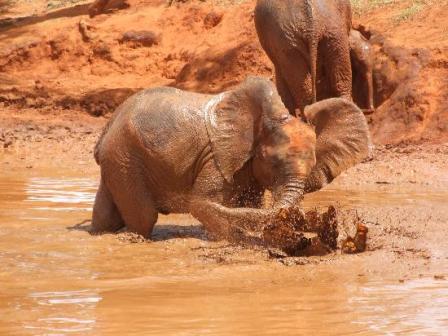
<point x="165" y="150"/>
<point x="308" y="43"/>
<point x="361" y="56"/>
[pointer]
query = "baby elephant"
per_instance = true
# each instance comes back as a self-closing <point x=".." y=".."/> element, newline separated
<point x="170" y="151"/>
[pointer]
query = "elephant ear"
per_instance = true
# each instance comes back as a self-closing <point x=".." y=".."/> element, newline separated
<point x="343" y="139"/>
<point x="232" y="124"/>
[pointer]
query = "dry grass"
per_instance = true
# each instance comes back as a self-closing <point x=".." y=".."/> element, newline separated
<point x="411" y="9"/>
<point x="409" y="12"/>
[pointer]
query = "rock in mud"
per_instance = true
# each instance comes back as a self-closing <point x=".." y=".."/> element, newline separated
<point x="212" y="19"/>
<point x="86" y="31"/>
<point x="142" y="38"/>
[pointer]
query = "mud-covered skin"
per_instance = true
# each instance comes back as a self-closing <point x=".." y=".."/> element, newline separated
<point x="171" y="151"/>
<point x="361" y="56"/>
<point x="308" y="42"/>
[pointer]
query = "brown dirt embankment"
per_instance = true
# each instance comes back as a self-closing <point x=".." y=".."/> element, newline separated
<point x="60" y="59"/>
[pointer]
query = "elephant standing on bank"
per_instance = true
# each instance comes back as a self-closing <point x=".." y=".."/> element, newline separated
<point x="170" y="151"/>
<point x="308" y="42"/>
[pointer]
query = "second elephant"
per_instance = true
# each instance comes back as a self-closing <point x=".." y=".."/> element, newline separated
<point x="308" y="43"/>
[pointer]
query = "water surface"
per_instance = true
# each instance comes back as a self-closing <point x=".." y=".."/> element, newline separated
<point x="56" y="279"/>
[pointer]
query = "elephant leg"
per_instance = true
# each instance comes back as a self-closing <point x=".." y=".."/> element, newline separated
<point x="135" y="202"/>
<point x="338" y="67"/>
<point x="106" y="217"/>
<point x="283" y="91"/>
<point x="230" y="222"/>
<point x="296" y="74"/>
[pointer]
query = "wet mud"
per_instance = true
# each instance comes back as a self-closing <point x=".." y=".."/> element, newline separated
<point x="59" y="279"/>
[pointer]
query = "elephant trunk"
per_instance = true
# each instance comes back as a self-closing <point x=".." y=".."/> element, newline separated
<point x="319" y="178"/>
<point x="289" y="193"/>
<point x="223" y="220"/>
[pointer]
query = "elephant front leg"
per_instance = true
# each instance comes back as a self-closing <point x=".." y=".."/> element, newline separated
<point x="231" y="222"/>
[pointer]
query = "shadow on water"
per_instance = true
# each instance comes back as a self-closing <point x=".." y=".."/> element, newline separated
<point x="161" y="232"/>
<point x="172" y="231"/>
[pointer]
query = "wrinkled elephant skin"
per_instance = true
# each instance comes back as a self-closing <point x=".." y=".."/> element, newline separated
<point x="308" y="43"/>
<point x="170" y="151"/>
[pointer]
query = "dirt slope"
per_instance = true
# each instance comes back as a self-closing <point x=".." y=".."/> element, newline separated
<point x="60" y="59"/>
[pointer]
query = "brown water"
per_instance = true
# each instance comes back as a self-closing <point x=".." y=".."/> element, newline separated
<point x="56" y="279"/>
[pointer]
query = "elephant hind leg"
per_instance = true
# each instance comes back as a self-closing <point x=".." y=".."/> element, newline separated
<point x="283" y="91"/>
<point x="337" y="66"/>
<point x="106" y="217"/>
<point x="134" y="202"/>
<point x="294" y="69"/>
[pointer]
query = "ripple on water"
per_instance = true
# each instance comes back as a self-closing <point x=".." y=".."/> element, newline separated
<point x="418" y="307"/>
<point x="61" y="195"/>
<point x="77" y="314"/>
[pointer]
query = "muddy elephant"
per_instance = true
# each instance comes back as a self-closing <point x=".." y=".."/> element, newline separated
<point x="170" y="151"/>
<point x="308" y="43"/>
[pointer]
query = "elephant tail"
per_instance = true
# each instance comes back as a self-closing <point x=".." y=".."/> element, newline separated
<point x="96" y="150"/>
<point x="313" y="66"/>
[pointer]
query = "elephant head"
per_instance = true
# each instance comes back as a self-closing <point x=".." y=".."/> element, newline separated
<point x="361" y="56"/>
<point x="250" y="125"/>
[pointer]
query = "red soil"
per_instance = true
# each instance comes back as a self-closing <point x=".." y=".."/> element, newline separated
<point x="63" y="60"/>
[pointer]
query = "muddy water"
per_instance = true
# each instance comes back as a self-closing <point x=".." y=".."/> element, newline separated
<point x="56" y="279"/>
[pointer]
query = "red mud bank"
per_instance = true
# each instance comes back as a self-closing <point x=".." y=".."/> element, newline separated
<point x="60" y="59"/>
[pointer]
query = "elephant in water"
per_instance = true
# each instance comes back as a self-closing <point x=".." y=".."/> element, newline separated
<point x="308" y="42"/>
<point x="170" y="151"/>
